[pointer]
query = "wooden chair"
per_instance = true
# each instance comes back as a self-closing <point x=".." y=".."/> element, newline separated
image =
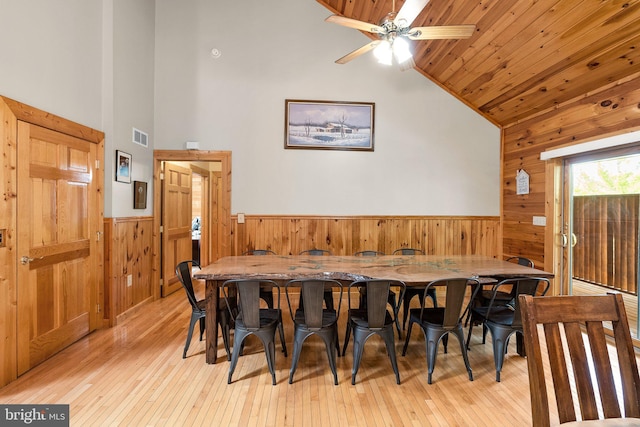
<point x="580" y="314"/>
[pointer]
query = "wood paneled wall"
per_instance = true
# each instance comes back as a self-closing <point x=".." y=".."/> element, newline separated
<point x="347" y="235"/>
<point x="613" y="110"/>
<point x="128" y="243"/>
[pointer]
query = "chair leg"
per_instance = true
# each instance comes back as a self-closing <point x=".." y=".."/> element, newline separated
<point x="226" y="338"/>
<point x="270" y="352"/>
<point x="358" y="345"/>
<point x="387" y="335"/>
<point x="281" y="331"/>
<point x="432" y="339"/>
<point x="347" y="335"/>
<point x="469" y="335"/>
<point x="202" y="327"/>
<point x="192" y="324"/>
<point x="407" y="303"/>
<point x="238" y="342"/>
<point x="406" y="342"/>
<point x="396" y="310"/>
<point x="330" y="345"/>
<point x="499" y="347"/>
<point x="298" y="339"/>
<point x="432" y="293"/>
<point x="267" y="296"/>
<point x="463" y="349"/>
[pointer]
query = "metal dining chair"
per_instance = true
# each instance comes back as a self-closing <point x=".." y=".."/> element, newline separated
<point x="437" y="323"/>
<point x="413" y="291"/>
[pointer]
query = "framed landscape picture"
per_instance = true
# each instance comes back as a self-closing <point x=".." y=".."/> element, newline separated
<point x="329" y="125"/>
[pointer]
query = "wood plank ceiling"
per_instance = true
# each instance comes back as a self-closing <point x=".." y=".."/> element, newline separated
<point x="526" y="56"/>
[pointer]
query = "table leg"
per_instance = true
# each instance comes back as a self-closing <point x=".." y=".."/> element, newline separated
<point x="211" y="321"/>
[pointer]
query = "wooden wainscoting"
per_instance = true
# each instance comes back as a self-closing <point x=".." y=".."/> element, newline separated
<point x="128" y="243"/>
<point x="346" y="235"/>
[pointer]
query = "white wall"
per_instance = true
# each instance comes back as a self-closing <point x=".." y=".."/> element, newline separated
<point x="90" y="62"/>
<point x="433" y="155"/>
<point x="133" y="101"/>
<point x="108" y="64"/>
<point x="51" y="56"/>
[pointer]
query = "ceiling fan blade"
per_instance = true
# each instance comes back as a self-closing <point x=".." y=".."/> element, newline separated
<point x="364" y="49"/>
<point x="353" y="23"/>
<point x="409" y="11"/>
<point x="441" y="32"/>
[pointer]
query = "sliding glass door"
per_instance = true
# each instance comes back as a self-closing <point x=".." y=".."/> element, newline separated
<point x="600" y="226"/>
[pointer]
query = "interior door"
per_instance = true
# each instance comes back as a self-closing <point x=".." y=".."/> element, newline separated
<point x="176" y="223"/>
<point x="57" y="232"/>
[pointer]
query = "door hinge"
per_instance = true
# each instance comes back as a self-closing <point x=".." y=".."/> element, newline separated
<point x="161" y="229"/>
<point x="98" y="233"/>
<point x="97" y="164"/>
<point x="97" y="308"/>
<point x="161" y="282"/>
<point x="161" y="176"/>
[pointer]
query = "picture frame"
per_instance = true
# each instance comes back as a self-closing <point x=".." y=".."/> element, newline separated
<point x="139" y="195"/>
<point x="123" y="167"/>
<point x="329" y="125"/>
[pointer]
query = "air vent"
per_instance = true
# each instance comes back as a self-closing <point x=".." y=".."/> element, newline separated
<point x="141" y="138"/>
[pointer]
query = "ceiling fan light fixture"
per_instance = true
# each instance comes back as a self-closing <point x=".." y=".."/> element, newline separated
<point x="383" y="52"/>
<point x="401" y="50"/>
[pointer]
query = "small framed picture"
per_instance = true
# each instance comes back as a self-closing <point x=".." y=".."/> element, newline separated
<point x="123" y="167"/>
<point x="139" y="195"/>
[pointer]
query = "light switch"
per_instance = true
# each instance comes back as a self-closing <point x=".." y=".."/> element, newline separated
<point x="240" y="218"/>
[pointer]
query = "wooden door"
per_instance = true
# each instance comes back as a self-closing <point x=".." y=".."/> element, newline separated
<point x="176" y="223"/>
<point x="57" y="243"/>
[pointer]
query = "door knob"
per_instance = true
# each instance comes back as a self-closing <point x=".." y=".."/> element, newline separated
<point x="26" y="260"/>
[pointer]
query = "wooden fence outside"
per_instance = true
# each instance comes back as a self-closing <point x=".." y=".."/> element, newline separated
<point x="606" y="250"/>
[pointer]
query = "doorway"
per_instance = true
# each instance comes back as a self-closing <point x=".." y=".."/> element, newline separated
<point x="600" y="226"/>
<point x="216" y="218"/>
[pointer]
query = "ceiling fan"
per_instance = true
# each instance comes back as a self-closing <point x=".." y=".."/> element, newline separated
<point x="395" y="32"/>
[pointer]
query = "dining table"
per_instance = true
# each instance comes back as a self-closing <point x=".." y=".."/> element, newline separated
<point x="413" y="270"/>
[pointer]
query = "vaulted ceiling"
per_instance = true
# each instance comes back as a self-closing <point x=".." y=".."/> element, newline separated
<point x="526" y="56"/>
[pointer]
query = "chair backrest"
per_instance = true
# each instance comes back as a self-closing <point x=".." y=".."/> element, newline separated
<point x="315" y="252"/>
<point x="534" y="286"/>
<point x="368" y="253"/>
<point x="377" y="294"/>
<point x="248" y="292"/>
<point x="574" y="313"/>
<point x="312" y="292"/>
<point x="183" y="271"/>
<point x="455" y="291"/>
<point x="259" y="252"/>
<point x="408" y="251"/>
<point x="521" y="260"/>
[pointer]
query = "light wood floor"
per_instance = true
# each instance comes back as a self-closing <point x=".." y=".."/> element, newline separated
<point x="134" y="375"/>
